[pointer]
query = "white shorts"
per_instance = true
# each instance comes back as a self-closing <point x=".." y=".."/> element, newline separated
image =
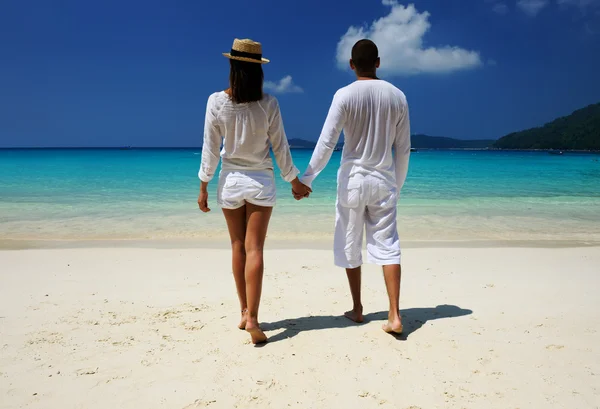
<point x="366" y="201"/>
<point x="238" y="187"/>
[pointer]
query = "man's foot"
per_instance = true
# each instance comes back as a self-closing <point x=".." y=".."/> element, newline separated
<point x="242" y="324"/>
<point x="258" y="337"/>
<point x="355" y="315"/>
<point x="394" y="327"/>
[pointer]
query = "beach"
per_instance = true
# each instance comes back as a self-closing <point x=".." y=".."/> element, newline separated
<point x="131" y="327"/>
<point x="115" y="291"/>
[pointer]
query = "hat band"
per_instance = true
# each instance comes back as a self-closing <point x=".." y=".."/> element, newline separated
<point x="254" y="56"/>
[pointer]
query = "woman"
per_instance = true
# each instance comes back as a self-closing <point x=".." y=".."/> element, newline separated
<point x="247" y="122"/>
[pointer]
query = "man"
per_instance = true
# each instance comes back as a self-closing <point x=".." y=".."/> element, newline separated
<point x="374" y="117"/>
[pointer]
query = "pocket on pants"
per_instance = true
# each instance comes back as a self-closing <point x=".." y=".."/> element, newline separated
<point x="255" y="183"/>
<point x="228" y="189"/>
<point x="229" y="183"/>
<point x="263" y="187"/>
<point x="267" y="193"/>
<point x="350" y="196"/>
<point x="387" y="194"/>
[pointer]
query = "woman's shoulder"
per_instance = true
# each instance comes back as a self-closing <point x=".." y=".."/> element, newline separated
<point x="218" y="96"/>
<point x="216" y="100"/>
<point x="269" y="100"/>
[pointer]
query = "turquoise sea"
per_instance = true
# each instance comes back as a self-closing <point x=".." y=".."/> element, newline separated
<point x="151" y="194"/>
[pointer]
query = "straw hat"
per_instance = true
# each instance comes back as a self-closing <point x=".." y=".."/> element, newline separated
<point x="246" y="50"/>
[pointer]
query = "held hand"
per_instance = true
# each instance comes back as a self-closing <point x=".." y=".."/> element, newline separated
<point x="203" y="201"/>
<point x="300" y="190"/>
<point x="303" y="194"/>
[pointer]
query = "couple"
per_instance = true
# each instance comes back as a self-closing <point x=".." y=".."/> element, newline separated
<point x="374" y="117"/>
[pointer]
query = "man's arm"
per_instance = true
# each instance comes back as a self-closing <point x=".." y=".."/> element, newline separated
<point x="328" y="139"/>
<point x="402" y="148"/>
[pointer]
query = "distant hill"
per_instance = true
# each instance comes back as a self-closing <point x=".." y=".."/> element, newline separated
<point x="578" y="131"/>
<point x="441" y="142"/>
<point x="296" y="143"/>
<point x="417" y="142"/>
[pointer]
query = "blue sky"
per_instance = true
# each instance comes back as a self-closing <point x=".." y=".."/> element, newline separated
<point x="111" y="73"/>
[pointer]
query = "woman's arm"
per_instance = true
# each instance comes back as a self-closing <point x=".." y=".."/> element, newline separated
<point x="212" y="143"/>
<point x="283" y="154"/>
<point x="203" y="197"/>
<point x="210" y="153"/>
<point x="279" y="143"/>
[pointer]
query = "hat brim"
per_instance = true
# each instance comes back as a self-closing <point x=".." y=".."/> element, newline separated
<point x="246" y="59"/>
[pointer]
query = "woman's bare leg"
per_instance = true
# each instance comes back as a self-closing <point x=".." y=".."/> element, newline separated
<point x="257" y="223"/>
<point x="236" y="223"/>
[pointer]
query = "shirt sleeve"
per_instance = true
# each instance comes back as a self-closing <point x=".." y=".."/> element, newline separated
<point x="279" y="144"/>
<point x="212" y="143"/>
<point x="402" y="148"/>
<point x="330" y="134"/>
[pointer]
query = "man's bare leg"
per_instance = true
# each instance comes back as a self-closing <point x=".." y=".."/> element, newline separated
<point x="354" y="279"/>
<point x="392" y="274"/>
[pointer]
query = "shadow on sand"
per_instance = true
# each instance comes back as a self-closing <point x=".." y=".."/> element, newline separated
<point x="412" y="320"/>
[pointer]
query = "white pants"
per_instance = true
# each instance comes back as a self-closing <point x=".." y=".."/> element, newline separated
<point x="366" y="201"/>
<point x="238" y="187"/>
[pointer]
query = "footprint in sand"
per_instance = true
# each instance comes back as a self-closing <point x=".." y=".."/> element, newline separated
<point x="150" y="361"/>
<point x="193" y="327"/>
<point x="200" y="404"/>
<point x="45" y="337"/>
<point x="82" y="372"/>
<point x="266" y="384"/>
<point x="555" y="347"/>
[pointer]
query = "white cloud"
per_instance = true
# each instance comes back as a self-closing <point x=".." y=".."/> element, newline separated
<point x="283" y="86"/>
<point x="532" y="7"/>
<point x="500" y="8"/>
<point x="399" y="37"/>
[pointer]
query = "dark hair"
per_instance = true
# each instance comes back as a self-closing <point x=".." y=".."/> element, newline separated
<point x="246" y="81"/>
<point x="364" y="56"/>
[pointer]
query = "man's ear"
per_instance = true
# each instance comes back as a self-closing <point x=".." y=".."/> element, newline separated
<point x="351" y="64"/>
<point x="377" y="62"/>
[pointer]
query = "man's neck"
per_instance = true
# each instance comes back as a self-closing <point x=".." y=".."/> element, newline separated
<point x="365" y="76"/>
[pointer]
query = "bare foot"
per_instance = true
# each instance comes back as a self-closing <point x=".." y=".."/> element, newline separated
<point x="242" y="324"/>
<point x="393" y="327"/>
<point x="355" y="315"/>
<point x="258" y="337"/>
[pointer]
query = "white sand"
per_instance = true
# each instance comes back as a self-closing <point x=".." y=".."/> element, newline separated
<point x="144" y="328"/>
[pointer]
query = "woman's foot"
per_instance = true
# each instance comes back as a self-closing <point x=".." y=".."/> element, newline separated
<point x="252" y="327"/>
<point x="242" y="324"/>
<point x="355" y="314"/>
